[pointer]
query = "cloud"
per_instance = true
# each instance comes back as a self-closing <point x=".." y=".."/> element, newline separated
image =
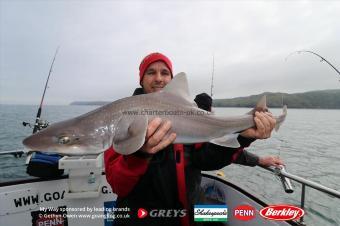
<point x="103" y="42"/>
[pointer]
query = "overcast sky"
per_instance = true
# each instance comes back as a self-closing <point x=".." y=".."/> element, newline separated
<point x="103" y="42"/>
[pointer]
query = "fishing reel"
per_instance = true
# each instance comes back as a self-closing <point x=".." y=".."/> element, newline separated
<point x="39" y="125"/>
<point x="27" y="124"/>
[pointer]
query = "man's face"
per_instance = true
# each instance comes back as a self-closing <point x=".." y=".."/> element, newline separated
<point x="156" y="76"/>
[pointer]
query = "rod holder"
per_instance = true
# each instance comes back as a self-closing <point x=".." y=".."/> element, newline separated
<point x="286" y="182"/>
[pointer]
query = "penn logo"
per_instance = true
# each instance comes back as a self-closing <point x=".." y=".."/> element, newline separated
<point x="282" y="212"/>
<point x="142" y="213"/>
<point x="244" y="212"/>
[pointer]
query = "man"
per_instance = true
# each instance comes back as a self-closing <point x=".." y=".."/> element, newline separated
<point x="167" y="177"/>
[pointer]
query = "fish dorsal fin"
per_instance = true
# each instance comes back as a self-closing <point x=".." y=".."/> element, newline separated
<point x="179" y="86"/>
<point x="260" y="106"/>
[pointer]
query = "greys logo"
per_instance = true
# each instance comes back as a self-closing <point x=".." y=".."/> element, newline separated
<point x="167" y="213"/>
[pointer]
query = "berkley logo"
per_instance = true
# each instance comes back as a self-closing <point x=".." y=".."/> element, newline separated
<point x="282" y="212"/>
<point x="244" y="212"/>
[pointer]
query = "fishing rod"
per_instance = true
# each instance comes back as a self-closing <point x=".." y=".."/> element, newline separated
<point x="212" y="77"/>
<point x="39" y="124"/>
<point x="321" y="57"/>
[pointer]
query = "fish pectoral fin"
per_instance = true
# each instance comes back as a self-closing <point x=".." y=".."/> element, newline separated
<point x="130" y="135"/>
<point x="229" y="140"/>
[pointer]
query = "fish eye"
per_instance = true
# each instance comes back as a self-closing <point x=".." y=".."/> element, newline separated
<point x="64" y="140"/>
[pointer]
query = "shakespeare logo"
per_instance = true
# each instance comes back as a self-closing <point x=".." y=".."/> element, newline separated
<point x="203" y="213"/>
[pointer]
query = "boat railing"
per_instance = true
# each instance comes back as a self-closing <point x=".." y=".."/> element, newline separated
<point x="287" y="185"/>
<point x="15" y="153"/>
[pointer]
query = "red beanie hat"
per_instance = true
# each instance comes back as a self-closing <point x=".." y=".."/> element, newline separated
<point x="152" y="58"/>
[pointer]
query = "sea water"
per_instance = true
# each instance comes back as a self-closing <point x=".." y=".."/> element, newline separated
<point x="308" y="142"/>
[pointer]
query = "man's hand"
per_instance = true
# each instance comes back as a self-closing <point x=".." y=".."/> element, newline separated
<point x="270" y="161"/>
<point x="156" y="136"/>
<point x="264" y="125"/>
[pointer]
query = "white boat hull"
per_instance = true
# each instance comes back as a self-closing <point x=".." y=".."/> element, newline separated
<point x="25" y="203"/>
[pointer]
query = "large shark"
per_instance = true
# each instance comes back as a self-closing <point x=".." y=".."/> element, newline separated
<point x="123" y="124"/>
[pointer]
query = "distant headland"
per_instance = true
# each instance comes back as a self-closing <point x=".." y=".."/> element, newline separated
<point x="322" y="99"/>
